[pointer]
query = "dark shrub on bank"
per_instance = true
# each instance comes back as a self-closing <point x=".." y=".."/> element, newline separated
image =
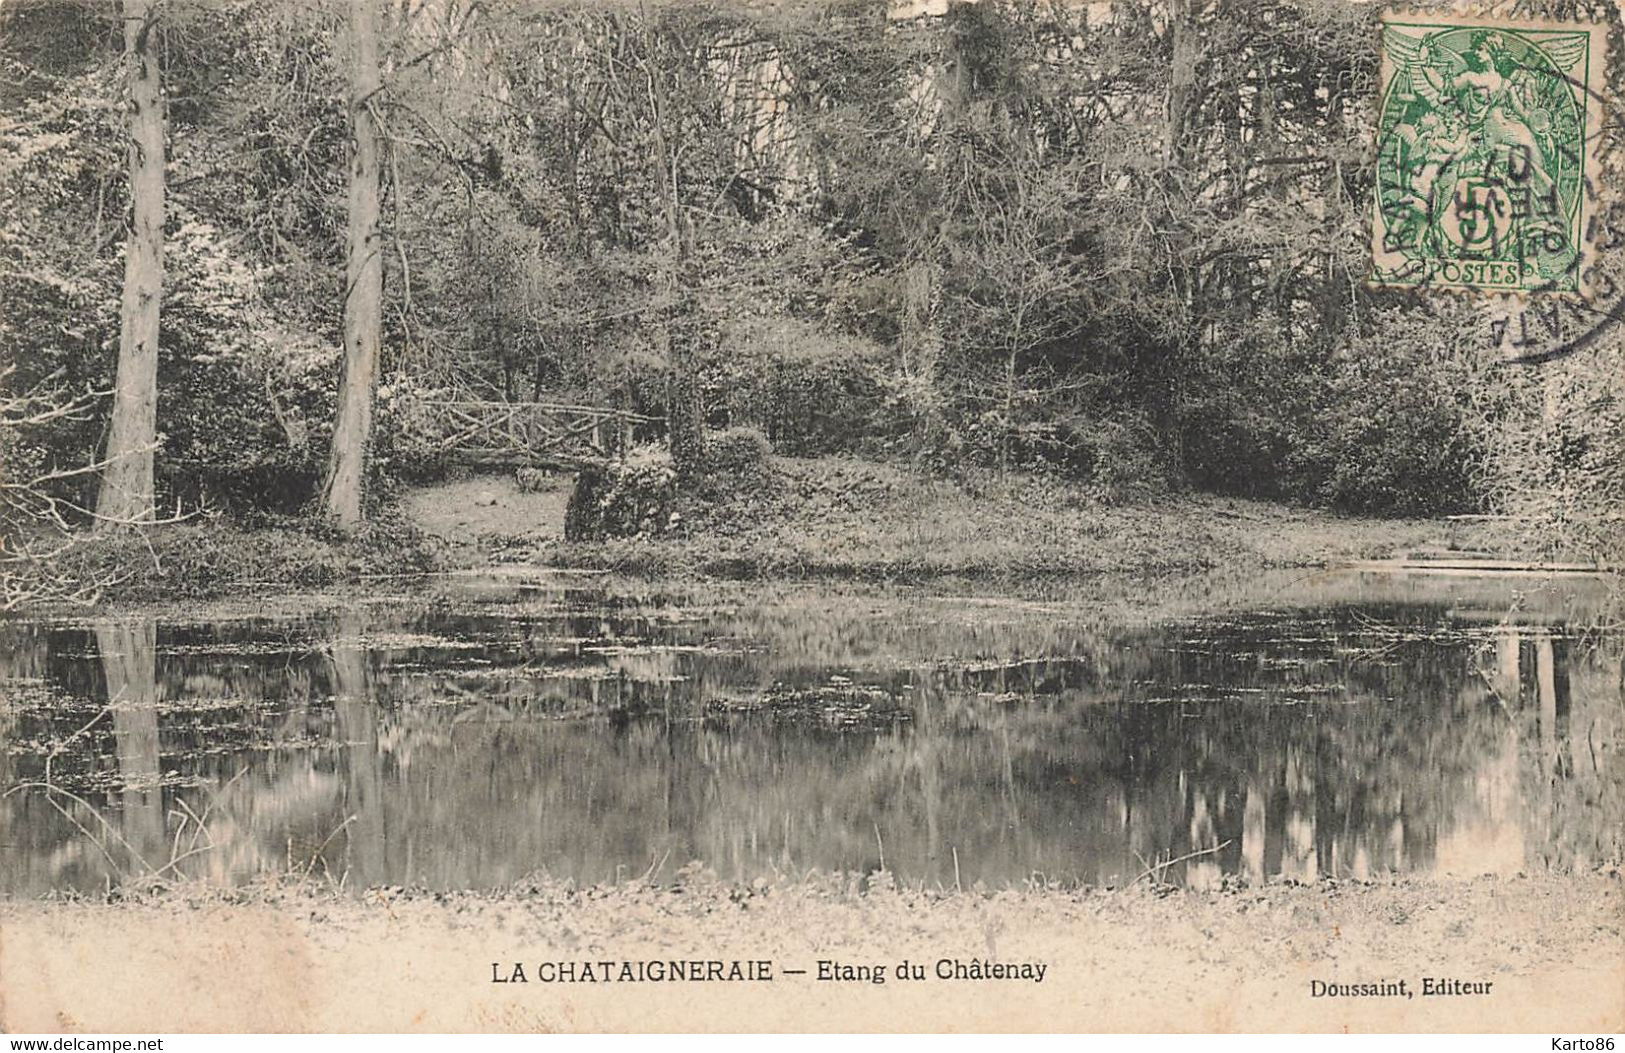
<point x="632" y="498"/>
<point x="738" y="485"/>
<point x="1381" y="426"/>
<point x="644" y="497"/>
<point x="1393" y="431"/>
<point x="737" y="454"/>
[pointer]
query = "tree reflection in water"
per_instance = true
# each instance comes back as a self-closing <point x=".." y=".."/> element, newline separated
<point x="129" y="664"/>
<point x="470" y="739"/>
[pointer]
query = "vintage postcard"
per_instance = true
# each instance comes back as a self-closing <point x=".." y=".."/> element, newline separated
<point x="824" y="516"/>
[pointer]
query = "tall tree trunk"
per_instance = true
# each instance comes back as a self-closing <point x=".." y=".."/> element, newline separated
<point x="1184" y="55"/>
<point x="364" y="281"/>
<point x="920" y="342"/>
<point x="685" y="410"/>
<point x="1183" y="96"/>
<point x="1012" y="354"/>
<point x="126" y="487"/>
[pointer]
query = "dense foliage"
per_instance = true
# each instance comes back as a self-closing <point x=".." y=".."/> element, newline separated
<point x="1125" y="243"/>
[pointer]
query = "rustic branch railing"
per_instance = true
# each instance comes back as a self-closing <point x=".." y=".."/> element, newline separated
<point x="534" y="433"/>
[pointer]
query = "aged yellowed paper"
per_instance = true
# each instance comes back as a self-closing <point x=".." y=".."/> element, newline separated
<point x="829" y="516"/>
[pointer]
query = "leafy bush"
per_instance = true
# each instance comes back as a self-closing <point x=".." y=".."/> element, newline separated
<point x="741" y="453"/>
<point x="219" y="349"/>
<point x="737" y="486"/>
<point x="1124" y="457"/>
<point x="1561" y="474"/>
<point x="60" y="300"/>
<point x="1395" y="443"/>
<point x="632" y="498"/>
<point x="1251" y="397"/>
<point x="407" y="433"/>
<point x="810" y="391"/>
<point x="1379" y="426"/>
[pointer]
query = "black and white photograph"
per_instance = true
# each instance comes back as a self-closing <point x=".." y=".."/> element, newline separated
<point x="812" y="516"/>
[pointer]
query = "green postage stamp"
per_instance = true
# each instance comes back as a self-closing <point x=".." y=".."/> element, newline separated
<point x="1486" y="143"/>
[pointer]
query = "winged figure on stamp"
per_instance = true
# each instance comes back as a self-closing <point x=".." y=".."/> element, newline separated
<point x="1477" y="145"/>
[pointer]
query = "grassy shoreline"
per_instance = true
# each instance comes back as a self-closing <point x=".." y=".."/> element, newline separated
<point x="818" y="519"/>
<point x="217" y="558"/>
<point x="1141" y="958"/>
<point x="847" y="519"/>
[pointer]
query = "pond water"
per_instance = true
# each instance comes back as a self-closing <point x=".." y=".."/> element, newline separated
<point x="469" y="732"/>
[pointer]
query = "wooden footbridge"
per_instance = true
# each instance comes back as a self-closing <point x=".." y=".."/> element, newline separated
<point x="532" y="434"/>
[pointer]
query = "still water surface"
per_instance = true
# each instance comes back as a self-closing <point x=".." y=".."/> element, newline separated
<point x="469" y="732"/>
